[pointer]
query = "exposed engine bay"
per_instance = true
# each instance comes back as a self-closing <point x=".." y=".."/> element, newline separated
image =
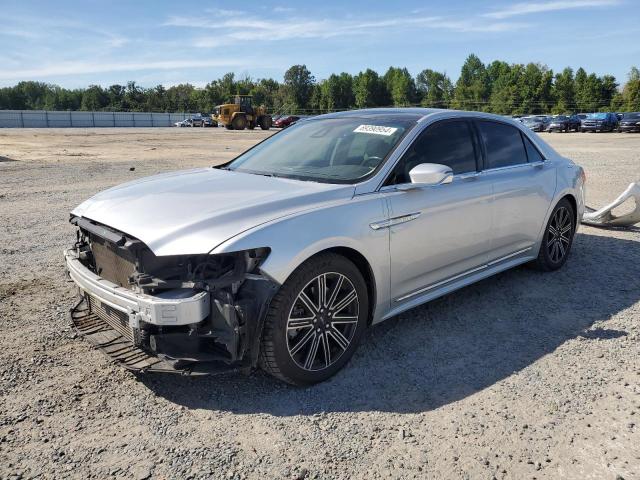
<point x="231" y="298"/>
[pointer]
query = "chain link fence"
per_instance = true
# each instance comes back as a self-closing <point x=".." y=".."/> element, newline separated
<point x="66" y="119"/>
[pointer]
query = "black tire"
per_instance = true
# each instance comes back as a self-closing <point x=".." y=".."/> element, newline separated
<point x="283" y="346"/>
<point x="239" y="122"/>
<point x="558" y="238"/>
<point x="265" y="122"/>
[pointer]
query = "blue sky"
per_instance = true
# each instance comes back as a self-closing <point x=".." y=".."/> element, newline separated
<point x="77" y="43"/>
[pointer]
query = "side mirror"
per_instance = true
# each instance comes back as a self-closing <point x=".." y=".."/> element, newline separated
<point x="428" y="174"/>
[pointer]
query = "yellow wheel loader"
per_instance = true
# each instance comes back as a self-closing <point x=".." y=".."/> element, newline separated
<point x="240" y="114"/>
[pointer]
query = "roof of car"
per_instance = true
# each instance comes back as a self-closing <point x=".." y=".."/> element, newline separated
<point x="411" y="113"/>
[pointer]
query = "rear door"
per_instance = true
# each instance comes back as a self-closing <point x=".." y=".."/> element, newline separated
<point x="524" y="184"/>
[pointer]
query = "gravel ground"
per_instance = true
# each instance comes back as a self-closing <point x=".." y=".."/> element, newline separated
<point x="524" y="375"/>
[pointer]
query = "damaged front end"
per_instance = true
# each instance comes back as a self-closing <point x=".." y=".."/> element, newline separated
<point x="189" y="313"/>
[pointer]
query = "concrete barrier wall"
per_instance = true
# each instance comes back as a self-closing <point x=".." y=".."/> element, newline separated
<point x="47" y="119"/>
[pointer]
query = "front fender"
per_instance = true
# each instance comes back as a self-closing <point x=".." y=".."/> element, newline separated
<point x="296" y="238"/>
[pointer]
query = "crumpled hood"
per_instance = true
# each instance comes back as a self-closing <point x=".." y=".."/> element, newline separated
<point x="193" y="211"/>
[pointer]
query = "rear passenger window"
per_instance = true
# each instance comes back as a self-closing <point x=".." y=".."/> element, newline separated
<point x="532" y="151"/>
<point x="503" y="144"/>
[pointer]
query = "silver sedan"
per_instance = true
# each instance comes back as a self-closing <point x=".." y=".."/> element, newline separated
<point x="282" y="258"/>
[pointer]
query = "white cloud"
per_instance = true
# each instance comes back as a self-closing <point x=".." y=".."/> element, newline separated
<point x="549" y="6"/>
<point x="234" y="29"/>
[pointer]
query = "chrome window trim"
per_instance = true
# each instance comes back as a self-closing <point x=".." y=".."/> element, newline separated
<point x="512" y="167"/>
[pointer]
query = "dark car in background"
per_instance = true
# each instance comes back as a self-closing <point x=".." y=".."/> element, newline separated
<point x="600" y="122"/>
<point x="564" y="123"/>
<point x="285" y="121"/>
<point x="208" y="122"/>
<point x="536" y="123"/>
<point x="630" y="122"/>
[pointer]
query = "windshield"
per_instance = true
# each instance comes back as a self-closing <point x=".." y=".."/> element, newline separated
<point x="597" y="116"/>
<point x="631" y="116"/>
<point x="560" y="118"/>
<point x="332" y="150"/>
<point x="530" y="120"/>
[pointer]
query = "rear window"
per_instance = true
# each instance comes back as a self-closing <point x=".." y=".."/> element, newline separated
<point x="532" y="152"/>
<point x="503" y="144"/>
<point x="631" y="116"/>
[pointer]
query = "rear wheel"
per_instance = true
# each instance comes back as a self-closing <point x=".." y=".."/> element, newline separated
<point x="558" y="238"/>
<point x="315" y="321"/>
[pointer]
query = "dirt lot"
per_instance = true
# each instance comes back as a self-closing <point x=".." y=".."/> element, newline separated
<point x="524" y="375"/>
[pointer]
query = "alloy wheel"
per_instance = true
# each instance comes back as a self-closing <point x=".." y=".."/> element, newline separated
<point x="322" y="321"/>
<point x="559" y="234"/>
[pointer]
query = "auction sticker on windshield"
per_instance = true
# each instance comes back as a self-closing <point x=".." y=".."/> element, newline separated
<point x="376" y="130"/>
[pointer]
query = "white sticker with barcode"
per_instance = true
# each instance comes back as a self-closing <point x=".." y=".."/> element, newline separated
<point x="376" y="130"/>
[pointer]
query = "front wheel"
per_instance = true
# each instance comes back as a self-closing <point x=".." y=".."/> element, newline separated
<point x="315" y="321"/>
<point x="558" y="238"/>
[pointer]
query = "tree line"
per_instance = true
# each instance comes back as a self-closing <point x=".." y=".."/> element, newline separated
<point x="497" y="87"/>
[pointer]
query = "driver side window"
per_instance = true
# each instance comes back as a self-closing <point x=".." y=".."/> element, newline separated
<point x="448" y="143"/>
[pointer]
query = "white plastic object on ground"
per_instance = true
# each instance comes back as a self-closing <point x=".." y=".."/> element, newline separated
<point x="604" y="217"/>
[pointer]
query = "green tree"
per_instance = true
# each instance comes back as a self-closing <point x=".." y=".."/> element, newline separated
<point x="609" y="88"/>
<point x="369" y="90"/>
<point x="435" y="89"/>
<point x="631" y="91"/>
<point x="94" y="98"/>
<point x="472" y="88"/>
<point x="401" y="86"/>
<point x="504" y="80"/>
<point x="336" y="92"/>
<point x="298" y="83"/>
<point x="564" y="92"/>
<point x="535" y="86"/>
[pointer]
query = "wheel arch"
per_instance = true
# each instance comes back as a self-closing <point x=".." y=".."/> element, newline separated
<point x="574" y="204"/>
<point x="363" y="266"/>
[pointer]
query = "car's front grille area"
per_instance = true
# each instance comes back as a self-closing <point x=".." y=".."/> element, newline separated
<point x="116" y="319"/>
<point x="112" y="263"/>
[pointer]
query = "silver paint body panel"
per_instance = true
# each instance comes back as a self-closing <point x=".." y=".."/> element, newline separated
<point x="420" y="243"/>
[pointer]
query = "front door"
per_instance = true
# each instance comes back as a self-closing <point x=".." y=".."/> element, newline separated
<point x="441" y="232"/>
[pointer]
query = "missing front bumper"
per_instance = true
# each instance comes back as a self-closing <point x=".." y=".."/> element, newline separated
<point x="111" y="337"/>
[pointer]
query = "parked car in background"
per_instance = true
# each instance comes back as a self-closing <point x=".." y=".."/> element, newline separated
<point x="535" y="123"/>
<point x="285" y="121"/>
<point x="564" y="123"/>
<point x="630" y="122"/>
<point x="208" y="122"/>
<point x="283" y="257"/>
<point x="183" y="123"/>
<point x="599" y="122"/>
<point x="196" y="120"/>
